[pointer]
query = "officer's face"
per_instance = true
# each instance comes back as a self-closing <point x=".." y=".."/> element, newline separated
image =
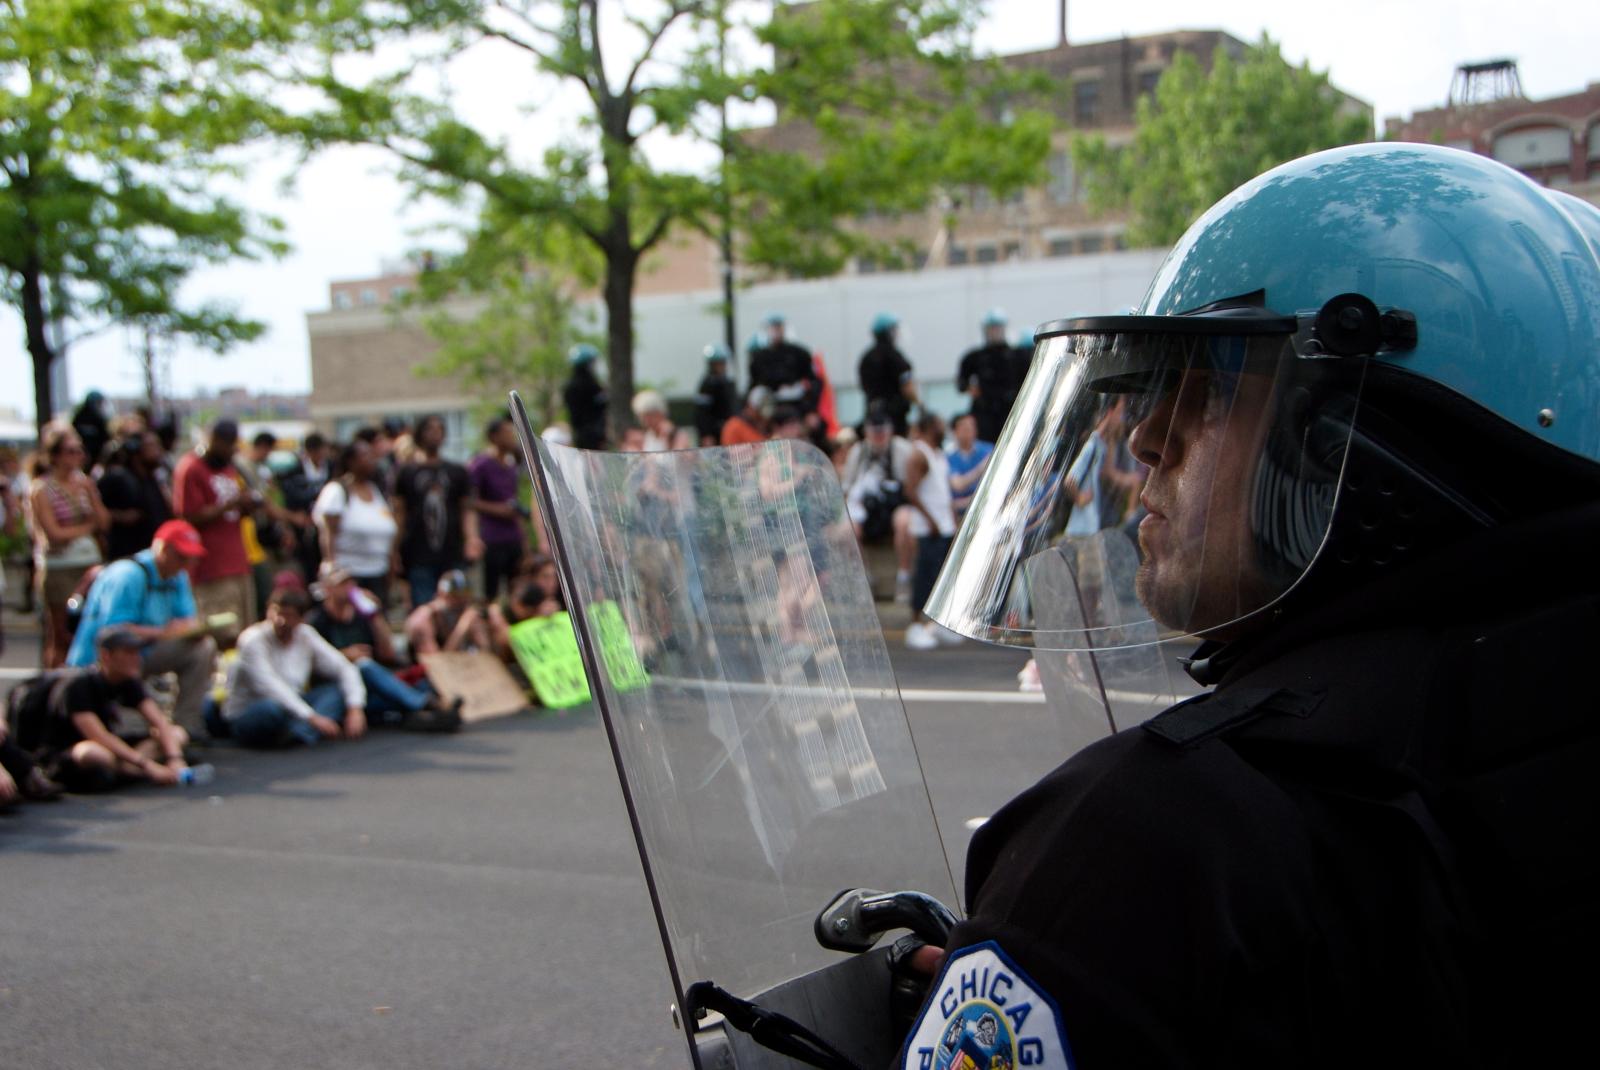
<point x="1201" y="441"/>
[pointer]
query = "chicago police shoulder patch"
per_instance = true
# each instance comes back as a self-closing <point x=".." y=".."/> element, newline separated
<point x="986" y="1014"/>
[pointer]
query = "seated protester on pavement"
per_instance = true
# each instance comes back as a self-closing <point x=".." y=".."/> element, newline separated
<point x="149" y="594"/>
<point x="83" y="747"/>
<point x="20" y="776"/>
<point x="350" y="619"/>
<point x="289" y="685"/>
<point x="448" y="623"/>
<point x="528" y="600"/>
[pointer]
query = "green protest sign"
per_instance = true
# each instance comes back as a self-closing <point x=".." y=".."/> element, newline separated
<point x="547" y="650"/>
<point x="616" y="647"/>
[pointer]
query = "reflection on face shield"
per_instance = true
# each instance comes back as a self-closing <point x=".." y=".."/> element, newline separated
<point x="1224" y="440"/>
<point x="1201" y="436"/>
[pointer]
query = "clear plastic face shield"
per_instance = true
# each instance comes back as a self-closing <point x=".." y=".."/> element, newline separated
<point x="1158" y="477"/>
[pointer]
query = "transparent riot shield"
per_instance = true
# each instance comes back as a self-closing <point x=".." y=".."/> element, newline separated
<point x="1084" y="586"/>
<point x="736" y="657"/>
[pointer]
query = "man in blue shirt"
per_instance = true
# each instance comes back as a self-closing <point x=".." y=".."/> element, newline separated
<point x="969" y="459"/>
<point x="149" y="596"/>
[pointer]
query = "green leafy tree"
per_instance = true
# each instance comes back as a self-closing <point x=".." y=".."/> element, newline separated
<point x="883" y="83"/>
<point x="113" y="116"/>
<point x="1203" y="134"/>
<point x="504" y="314"/>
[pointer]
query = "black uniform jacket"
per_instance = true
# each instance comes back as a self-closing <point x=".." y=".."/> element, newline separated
<point x="586" y="408"/>
<point x="994" y="369"/>
<point x="783" y="365"/>
<point x="1372" y="844"/>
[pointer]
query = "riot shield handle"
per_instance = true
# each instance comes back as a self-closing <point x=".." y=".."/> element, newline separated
<point x="857" y="917"/>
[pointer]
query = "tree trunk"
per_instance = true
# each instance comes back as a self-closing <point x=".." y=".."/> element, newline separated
<point x="621" y="266"/>
<point x="34" y="319"/>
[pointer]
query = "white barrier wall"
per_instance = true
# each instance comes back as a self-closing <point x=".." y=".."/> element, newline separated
<point x="939" y="311"/>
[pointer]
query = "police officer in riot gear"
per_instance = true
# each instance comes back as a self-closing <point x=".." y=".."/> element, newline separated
<point x="716" y="398"/>
<point x="886" y="377"/>
<point x="585" y="396"/>
<point x="787" y="370"/>
<point x="1366" y="386"/>
<point x="987" y="374"/>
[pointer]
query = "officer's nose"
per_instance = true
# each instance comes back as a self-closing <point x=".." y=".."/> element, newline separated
<point x="1151" y="440"/>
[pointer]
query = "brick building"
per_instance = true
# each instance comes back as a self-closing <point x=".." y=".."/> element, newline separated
<point x="1555" y="140"/>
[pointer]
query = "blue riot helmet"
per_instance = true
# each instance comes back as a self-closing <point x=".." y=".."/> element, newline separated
<point x="884" y="322"/>
<point x="995" y="317"/>
<point x="582" y="353"/>
<point x="1325" y="377"/>
<point x="716" y="351"/>
<point x="755" y="344"/>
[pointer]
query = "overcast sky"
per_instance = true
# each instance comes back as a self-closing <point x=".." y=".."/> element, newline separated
<point x="346" y="215"/>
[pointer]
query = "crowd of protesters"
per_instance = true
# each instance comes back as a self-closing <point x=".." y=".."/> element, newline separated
<point x="246" y="592"/>
<point x="151" y="563"/>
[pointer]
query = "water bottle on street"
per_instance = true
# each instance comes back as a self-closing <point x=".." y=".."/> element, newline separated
<point x="197" y="775"/>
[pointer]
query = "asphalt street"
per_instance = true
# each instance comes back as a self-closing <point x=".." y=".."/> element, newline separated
<point x="405" y="901"/>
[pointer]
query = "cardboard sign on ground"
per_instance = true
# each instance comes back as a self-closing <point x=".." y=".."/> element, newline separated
<point x="485" y="685"/>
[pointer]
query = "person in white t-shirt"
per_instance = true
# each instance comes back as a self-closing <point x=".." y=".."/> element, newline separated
<point x="932" y="522"/>
<point x="357" y="527"/>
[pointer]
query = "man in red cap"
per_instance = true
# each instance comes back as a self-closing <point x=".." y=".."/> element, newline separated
<point x="149" y="596"/>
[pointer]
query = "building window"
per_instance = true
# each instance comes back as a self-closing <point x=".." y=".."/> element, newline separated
<point x="341" y="299"/>
<point x="988" y="254"/>
<point x="1012" y="250"/>
<point x="866" y="265"/>
<point x="920" y="261"/>
<point x="958" y="255"/>
<point x="1092" y="243"/>
<point x="1545" y="146"/>
<point x="1148" y="81"/>
<point x="1118" y="242"/>
<point x="980" y="199"/>
<point x="369" y="295"/>
<point x="1086" y="103"/>
<point x="1061" y="247"/>
<point x="1063" y="178"/>
<point x="398" y="293"/>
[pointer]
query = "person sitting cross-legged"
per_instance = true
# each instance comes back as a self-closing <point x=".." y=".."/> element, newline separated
<point x="83" y="749"/>
<point x="351" y="620"/>
<point x="274" y="697"/>
<point x="448" y="623"/>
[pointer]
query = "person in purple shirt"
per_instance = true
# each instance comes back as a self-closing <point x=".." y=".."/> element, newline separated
<point x="494" y="475"/>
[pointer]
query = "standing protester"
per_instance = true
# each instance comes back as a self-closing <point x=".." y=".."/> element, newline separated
<point x="93" y="429"/>
<point x="83" y="749"/>
<point x="886" y="376"/>
<point x="932" y="524"/>
<point x="750" y="424"/>
<point x="267" y="531"/>
<point x="586" y="399"/>
<point x="716" y="398"/>
<point x="273" y="697"/>
<point x="136" y="499"/>
<point x="433" y="507"/>
<point x="787" y="370"/>
<point x="148" y="595"/>
<point x="356" y="525"/>
<point x="68" y="520"/>
<point x="495" y="475"/>
<point x="301" y="485"/>
<point x="1374" y="497"/>
<point x="209" y="494"/>
<point x="969" y="460"/>
<point x="988" y="375"/>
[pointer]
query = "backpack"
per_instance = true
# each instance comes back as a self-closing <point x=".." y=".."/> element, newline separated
<point x="29" y="704"/>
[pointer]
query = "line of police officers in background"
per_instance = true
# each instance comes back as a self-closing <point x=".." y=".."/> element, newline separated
<point x="990" y="374"/>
